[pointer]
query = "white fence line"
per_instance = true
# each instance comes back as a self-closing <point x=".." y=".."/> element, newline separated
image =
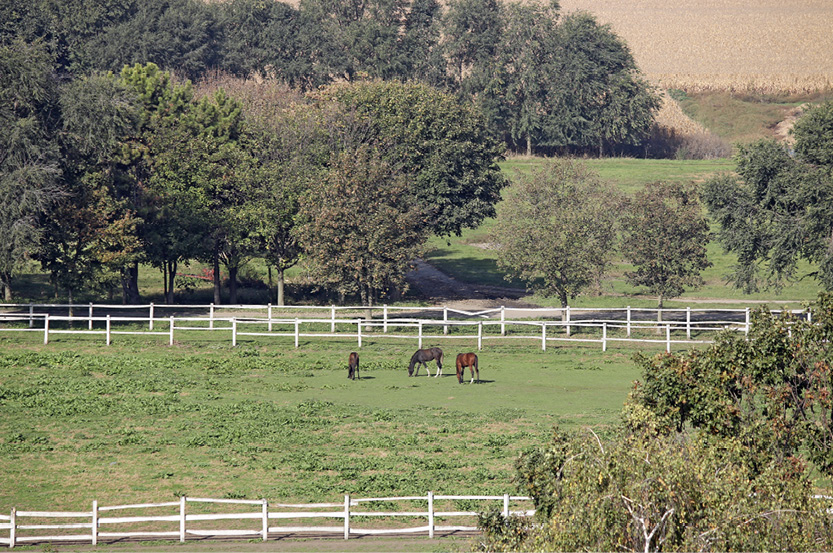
<point x="362" y="328"/>
<point x="92" y="521"/>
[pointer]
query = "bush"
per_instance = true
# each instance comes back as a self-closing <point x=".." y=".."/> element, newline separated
<point x="650" y="492"/>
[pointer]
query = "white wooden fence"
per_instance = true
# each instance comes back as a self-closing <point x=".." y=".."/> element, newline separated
<point x="171" y="519"/>
<point x="546" y="325"/>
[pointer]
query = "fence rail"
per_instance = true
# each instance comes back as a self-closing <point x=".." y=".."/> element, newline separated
<point x="547" y="325"/>
<point x="94" y="521"/>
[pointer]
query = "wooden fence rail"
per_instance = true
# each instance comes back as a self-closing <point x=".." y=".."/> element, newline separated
<point x="26" y="527"/>
<point x="602" y="326"/>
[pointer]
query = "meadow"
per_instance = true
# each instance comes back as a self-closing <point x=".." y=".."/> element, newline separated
<point x="139" y="421"/>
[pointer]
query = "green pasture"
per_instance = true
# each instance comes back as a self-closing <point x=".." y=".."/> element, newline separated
<point x="139" y="421"/>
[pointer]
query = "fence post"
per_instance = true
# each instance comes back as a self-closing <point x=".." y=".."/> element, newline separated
<point x="420" y="335"/>
<point x="503" y="320"/>
<point x="431" y="515"/>
<point x="297" y="332"/>
<point x="333" y="319"/>
<point x="445" y="320"/>
<point x="688" y="323"/>
<point x="95" y="521"/>
<point x="668" y="338"/>
<point x="211" y="316"/>
<point x="359" y="331"/>
<point x="506" y="505"/>
<point x="347" y="517"/>
<point x="46" y="329"/>
<point x="108" y="330"/>
<point x="265" y="530"/>
<point x="233" y="331"/>
<point x="31" y="316"/>
<point x="604" y="336"/>
<point x="479" y="335"/>
<point x="182" y="519"/>
<point x="90" y="317"/>
<point x="269" y="316"/>
<point x="385" y="319"/>
<point x="809" y="316"/>
<point x="629" y="321"/>
<point x="568" y="320"/>
<point x="171" y="330"/>
<point x="150" y="317"/>
<point x="746" y="329"/>
<point x="543" y="336"/>
<point x="12" y="528"/>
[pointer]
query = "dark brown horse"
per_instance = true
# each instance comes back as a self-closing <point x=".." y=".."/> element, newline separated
<point x="353" y="366"/>
<point x="467" y="360"/>
<point x="422" y="356"/>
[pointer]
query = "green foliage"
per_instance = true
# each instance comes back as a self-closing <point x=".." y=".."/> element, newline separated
<point x="362" y="231"/>
<point x="665" y="237"/>
<point x="652" y="492"/>
<point x="29" y="155"/>
<point x="775" y="214"/>
<point x="558" y="225"/>
<point x="814" y="135"/>
<point x="771" y="391"/>
<point x="441" y="145"/>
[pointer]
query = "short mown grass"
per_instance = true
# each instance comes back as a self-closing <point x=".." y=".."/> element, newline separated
<point x="140" y="421"/>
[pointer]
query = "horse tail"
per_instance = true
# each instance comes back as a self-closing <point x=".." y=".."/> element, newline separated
<point x="440" y="358"/>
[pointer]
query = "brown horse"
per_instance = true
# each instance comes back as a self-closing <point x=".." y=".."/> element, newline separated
<point x="467" y="360"/>
<point x="422" y="356"/>
<point x="353" y="366"/>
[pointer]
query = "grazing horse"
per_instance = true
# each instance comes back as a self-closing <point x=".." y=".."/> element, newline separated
<point x="467" y="360"/>
<point x="422" y="356"/>
<point x="353" y="366"/>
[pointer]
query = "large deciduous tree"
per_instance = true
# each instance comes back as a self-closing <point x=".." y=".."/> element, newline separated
<point x="779" y="209"/>
<point x="443" y="147"/>
<point x="362" y="230"/>
<point x="665" y="236"/>
<point x="29" y="153"/>
<point x="556" y="229"/>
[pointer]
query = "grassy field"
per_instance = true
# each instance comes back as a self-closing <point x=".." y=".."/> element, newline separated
<point x="139" y="421"/>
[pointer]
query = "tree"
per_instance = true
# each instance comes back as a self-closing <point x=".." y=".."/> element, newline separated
<point x="665" y="237"/>
<point x="442" y="145"/>
<point x="556" y="228"/>
<point x="471" y="37"/>
<point x="29" y="154"/>
<point x="178" y="35"/>
<point x="648" y="491"/>
<point x="362" y="231"/>
<point x="814" y="135"/>
<point x="778" y="211"/>
<point x="521" y="75"/>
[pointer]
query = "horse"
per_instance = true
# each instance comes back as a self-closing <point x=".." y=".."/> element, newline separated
<point x="467" y="360"/>
<point x="353" y="366"/>
<point x="422" y="356"/>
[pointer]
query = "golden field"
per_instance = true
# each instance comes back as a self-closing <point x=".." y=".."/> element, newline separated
<point x="726" y="45"/>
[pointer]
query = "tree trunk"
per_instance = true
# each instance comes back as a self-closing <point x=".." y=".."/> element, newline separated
<point x="171" y="281"/>
<point x="232" y="283"/>
<point x="281" y="286"/>
<point x="217" y="273"/>
<point x="528" y="144"/>
<point x="130" y="284"/>
<point x="6" y="287"/>
<point x="165" y="280"/>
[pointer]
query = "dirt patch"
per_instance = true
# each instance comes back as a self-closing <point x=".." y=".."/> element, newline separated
<point x="442" y="289"/>
<point x="782" y="129"/>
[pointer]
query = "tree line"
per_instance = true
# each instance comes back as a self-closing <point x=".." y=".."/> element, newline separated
<point x="103" y="172"/>
<point x="546" y="82"/>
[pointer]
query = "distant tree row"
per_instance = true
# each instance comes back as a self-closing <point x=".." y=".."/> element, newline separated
<point x="104" y="172"/>
<point x="545" y="81"/>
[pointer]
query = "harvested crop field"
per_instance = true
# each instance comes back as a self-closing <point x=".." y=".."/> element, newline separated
<point x="736" y="45"/>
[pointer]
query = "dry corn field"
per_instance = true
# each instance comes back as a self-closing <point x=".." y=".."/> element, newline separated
<point x="760" y="46"/>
